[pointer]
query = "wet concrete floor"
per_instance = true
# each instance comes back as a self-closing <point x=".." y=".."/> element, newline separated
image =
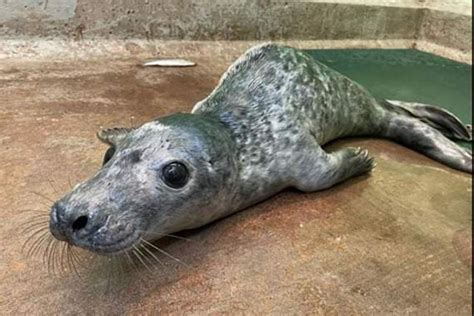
<point x="398" y="241"/>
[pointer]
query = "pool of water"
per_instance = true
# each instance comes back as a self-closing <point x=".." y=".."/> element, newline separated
<point x="407" y="75"/>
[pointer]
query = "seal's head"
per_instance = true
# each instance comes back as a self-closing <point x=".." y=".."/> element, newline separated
<point x="167" y="175"/>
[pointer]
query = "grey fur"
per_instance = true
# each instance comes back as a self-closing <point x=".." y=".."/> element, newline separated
<point x="258" y="132"/>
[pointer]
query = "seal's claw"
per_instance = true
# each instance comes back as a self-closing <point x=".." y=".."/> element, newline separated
<point x="358" y="161"/>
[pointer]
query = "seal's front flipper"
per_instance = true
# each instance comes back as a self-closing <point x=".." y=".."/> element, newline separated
<point x="332" y="168"/>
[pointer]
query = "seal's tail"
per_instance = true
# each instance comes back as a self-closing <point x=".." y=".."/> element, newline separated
<point x="427" y="129"/>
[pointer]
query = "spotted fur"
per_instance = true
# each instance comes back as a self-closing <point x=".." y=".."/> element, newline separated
<point x="259" y="131"/>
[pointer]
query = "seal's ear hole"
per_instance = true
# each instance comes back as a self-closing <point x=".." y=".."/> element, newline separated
<point x="108" y="155"/>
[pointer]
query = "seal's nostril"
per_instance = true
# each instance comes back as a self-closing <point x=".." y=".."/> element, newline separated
<point x="79" y="223"/>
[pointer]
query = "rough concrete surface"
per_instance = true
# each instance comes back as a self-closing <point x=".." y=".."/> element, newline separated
<point x="217" y="20"/>
<point x="396" y="242"/>
<point x="456" y="6"/>
<point x="447" y="29"/>
<point x="37" y="10"/>
<point x="445" y="24"/>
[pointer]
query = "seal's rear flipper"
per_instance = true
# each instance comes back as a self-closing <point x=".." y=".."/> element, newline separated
<point x="424" y="138"/>
<point x="442" y="120"/>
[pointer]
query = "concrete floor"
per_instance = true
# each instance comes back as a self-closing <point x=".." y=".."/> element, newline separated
<point x="398" y="241"/>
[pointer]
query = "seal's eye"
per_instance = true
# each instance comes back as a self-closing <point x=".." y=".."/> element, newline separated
<point x="175" y="175"/>
<point x="108" y="155"/>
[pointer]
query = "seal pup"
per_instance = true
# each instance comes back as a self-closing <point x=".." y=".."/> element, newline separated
<point x="259" y="131"/>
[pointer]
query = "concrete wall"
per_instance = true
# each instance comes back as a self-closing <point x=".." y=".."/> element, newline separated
<point x="463" y="7"/>
<point x="205" y="20"/>
<point x="455" y="6"/>
<point x="445" y="23"/>
<point x="447" y="29"/>
<point x="38" y="10"/>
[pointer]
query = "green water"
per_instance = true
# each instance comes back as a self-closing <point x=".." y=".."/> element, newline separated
<point x="407" y="75"/>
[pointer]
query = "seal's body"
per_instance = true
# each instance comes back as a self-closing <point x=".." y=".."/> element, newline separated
<point x="258" y="132"/>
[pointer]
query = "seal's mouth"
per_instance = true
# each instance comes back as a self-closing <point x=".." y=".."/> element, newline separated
<point x="98" y="246"/>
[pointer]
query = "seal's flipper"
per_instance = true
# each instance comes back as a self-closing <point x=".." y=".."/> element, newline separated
<point x="327" y="169"/>
<point x="469" y="129"/>
<point x="423" y="138"/>
<point x="442" y="120"/>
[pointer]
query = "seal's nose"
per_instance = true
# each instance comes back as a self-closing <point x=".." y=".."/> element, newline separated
<point x="69" y="225"/>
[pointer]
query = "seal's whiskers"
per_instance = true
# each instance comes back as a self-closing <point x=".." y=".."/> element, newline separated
<point x="37" y="228"/>
<point x="34" y="234"/>
<point x="71" y="261"/>
<point x="63" y="257"/>
<point x="27" y="227"/>
<point x="49" y="255"/>
<point x="140" y="256"/>
<point x="75" y="259"/>
<point x="179" y="237"/>
<point x="70" y="183"/>
<point x="52" y="186"/>
<point x="160" y="235"/>
<point x="164" y="252"/>
<point x="47" y="198"/>
<point x="130" y="260"/>
<point x="152" y="255"/>
<point x="37" y="212"/>
<point x="57" y="258"/>
<point x="37" y="244"/>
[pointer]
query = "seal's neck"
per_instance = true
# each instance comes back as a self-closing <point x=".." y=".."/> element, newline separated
<point x="254" y="144"/>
